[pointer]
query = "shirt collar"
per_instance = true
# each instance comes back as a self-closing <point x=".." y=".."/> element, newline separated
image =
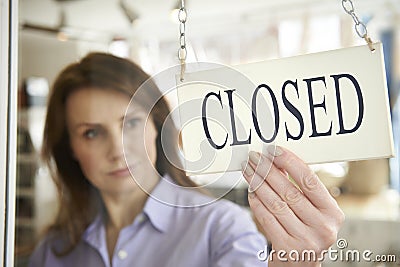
<point x="157" y="207"/>
<point x="95" y="235"/>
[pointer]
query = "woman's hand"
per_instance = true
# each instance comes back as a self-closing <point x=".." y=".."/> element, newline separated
<point x="302" y="217"/>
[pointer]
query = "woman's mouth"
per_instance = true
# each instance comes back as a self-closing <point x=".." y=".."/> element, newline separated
<point x="122" y="172"/>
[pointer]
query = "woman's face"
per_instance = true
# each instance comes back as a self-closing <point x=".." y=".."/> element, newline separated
<point x="94" y="119"/>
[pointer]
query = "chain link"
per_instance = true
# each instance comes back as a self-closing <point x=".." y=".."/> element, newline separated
<point x="359" y="26"/>
<point x="182" y="52"/>
<point x="347" y="5"/>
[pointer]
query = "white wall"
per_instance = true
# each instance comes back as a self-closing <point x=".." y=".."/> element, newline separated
<point x="43" y="55"/>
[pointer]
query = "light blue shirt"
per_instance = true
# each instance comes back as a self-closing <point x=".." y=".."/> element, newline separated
<point x="216" y="234"/>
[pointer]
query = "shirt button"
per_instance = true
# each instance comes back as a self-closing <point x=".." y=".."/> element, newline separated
<point x="122" y="254"/>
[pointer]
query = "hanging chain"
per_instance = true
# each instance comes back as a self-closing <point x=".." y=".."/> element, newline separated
<point x="182" y="52"/>
<point x="359" y="26"/>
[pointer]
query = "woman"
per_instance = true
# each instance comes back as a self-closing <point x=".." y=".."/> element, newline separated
<point x="106" y="218"/>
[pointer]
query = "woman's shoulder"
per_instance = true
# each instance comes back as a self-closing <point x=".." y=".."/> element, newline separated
<point x="208" y="202"/>
<point x="186" y="204"/>
<point x="233" y="235"/>
<point x="217" y="211"/>
<point x="44" y="248"/>
<point x="52" y="251"/>
<point x="227" y="214"/>
<point x="171" y="194"/>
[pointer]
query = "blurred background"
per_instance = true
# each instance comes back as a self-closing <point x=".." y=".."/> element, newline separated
<point x="54" y="33"/>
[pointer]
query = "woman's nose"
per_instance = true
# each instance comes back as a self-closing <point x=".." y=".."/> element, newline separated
<point x="116" y="149"/>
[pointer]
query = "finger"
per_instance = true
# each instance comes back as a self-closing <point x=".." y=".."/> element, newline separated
<point x="270" y="225"/>
<point x="254" y="181"/>
<point x="305" y="178"/>
<point x="276" y="206"/>
<point x="287" y="191"/>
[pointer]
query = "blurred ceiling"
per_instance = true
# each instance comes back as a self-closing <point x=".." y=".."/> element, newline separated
<point x="105" y="19"/>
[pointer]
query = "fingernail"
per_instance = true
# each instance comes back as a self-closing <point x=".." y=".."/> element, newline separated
<point x="274" y="150"/>
<point x="251" y="193"/>
<point x="254" y="157"/>
<point x="247" y="169"/>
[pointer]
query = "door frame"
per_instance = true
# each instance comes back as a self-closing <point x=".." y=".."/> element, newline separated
<point x="8" y="127"/>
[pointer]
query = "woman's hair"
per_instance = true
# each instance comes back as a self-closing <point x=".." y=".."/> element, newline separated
<point x="79" y="200"/>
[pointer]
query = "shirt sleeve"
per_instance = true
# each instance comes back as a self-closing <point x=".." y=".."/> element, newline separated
<point x="235" y="240"/>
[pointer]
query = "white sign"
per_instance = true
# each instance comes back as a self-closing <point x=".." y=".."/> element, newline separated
<point x="325" y="107"/>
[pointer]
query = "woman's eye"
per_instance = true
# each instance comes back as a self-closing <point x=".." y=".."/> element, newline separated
<point x="90" y="133"/>
<point x="130" y="123"/>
